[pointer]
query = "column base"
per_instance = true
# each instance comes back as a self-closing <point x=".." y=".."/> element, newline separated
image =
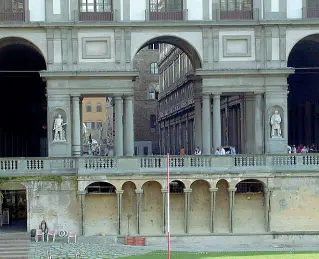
<point x="76" y="151"/>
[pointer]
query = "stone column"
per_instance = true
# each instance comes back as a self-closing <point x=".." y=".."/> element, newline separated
<point x="259" y="136"/>
<point x="118" y="126"/>
<point x="212" y="207"/>
<point x="231" y="207"/>
<point x="129" y="129"/>
<point x="267" y="196"/>
<point x="164" y="192"/>
<point x="139" y="193"/>
<point x="206" y="124"/>
<point x="81" y="196"/>
<point x="76" y="129"/>
<point x="187" y="193"/>
<point x="119" y="194"/>
<point x="186" y="136"/>
<point x="198" y="122"/>
<point x="217" y="136"/>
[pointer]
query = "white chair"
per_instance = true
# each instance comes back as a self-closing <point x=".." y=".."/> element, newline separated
<point x="72" y="235"/>
<point x="51" y="234"/>
<point x="39" y="234"/>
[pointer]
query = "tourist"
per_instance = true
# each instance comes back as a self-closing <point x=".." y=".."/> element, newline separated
<point x="198" y="151"/>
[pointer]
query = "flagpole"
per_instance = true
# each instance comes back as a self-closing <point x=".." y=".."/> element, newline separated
<point x="168" y="209"/>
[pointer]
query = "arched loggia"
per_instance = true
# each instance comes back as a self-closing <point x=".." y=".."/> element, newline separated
<point x="23" y="109"/>
<point x="303" y="99"/>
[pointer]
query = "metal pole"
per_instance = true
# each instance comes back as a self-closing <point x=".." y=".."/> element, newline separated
<point x="168" y="214"/>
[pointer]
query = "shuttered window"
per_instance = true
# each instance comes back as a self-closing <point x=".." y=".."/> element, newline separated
<point x="313" y="4"/>
<point x="234" y="5"/>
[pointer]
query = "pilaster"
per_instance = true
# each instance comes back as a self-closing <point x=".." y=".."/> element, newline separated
<point x="81" y="195"/>
<point x="231" y="192"/>
<point x="198" y="122"/>
<point x="164" y="193"/>
<point x="259" y="136"/>
<point x="267" y="197"/>
<point x="187" y="193"/>
<point x="57" y="11"/>
<point x="212" y="207"/>
<point x="119" y="194"/>
<point x="139" y="193"/>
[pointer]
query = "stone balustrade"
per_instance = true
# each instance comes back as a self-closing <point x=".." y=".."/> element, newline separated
<point x="158" y="164"/>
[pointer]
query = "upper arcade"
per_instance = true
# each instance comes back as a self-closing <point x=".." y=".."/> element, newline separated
<point x="91" y="11"/>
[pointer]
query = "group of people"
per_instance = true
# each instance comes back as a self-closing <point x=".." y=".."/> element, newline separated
<point x="301" y="149"/>
<point x="219" y="151"/>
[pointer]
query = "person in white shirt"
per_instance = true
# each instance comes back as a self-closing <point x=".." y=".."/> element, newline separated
<point x="222" y="151"/>
<point x="198" y="151"/>
<point x="217" y="152"/>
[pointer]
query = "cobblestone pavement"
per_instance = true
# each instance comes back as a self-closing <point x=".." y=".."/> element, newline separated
<point x="101" y="247"/>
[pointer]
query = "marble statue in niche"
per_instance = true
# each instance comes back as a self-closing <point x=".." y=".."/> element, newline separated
<point x="275" y="122"/>
<point x="59" y="131"/>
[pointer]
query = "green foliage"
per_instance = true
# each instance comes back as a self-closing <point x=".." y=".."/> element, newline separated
<point x="55" y="178"/>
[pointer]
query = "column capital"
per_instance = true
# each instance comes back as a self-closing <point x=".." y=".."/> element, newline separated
<point x="81" y="192"/>
<point x="119" y="191"/>
<point x="128" y="97"/>
<point x="232" y="189"/>
<point x="213" y="189"/>
<point x="258" y="93"/>
<point x="216" y="95"/>
<point x="139" y="191"/>
<point x="188" y="190"/>
<point x="75" y="96"/>
<point x="206" y="95"/>
<point x="164" y="190"/>
<point x="118" y="97"/>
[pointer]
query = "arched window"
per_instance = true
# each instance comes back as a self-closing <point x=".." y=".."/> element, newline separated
<point x="153" y="121"/>
<point x="98" y="107"/>
<point x="88" y="107"/>
<point x="249" y="186"/>
<point x="154" y="68"/>
<point x="100" y="187"/>
<point x="176" y="187"/>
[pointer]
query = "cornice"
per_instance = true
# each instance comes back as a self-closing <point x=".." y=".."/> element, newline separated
<point x="157" y="24"/>
<point x="128" y="75"/>
<point x="244" y="72"/>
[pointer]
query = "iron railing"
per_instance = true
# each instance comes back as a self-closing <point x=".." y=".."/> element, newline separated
<point x="165" y="15"/>
<point x="235" y="15"/>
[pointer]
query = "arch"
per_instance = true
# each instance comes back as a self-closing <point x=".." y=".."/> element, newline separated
<point x="176" y="187"/>
<point x="221" y="181"/>
<point x="88" y="107"/>
<point x="12" y="186"/>
<point x="100" y="187"/>
<point x="250" y="186"/>
<point x="194" y="53"/>
<point x="98" y="107"/>
<point x="7" y="41"/>
<point x="128" y="183"/>
<point x="147" y="182"/>
<point x="20" y="64"/>
<point x="200" y="180"/>
<point x="303" y="103"/>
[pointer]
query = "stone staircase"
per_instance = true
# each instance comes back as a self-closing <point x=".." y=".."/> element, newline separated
<point x="14" y="245"/>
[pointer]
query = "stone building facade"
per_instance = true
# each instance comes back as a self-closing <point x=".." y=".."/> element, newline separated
<point x="145" y="101"/>
<point x="53" y="55"/>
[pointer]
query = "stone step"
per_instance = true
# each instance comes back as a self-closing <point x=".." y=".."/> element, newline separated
<point x="14" y="245"/>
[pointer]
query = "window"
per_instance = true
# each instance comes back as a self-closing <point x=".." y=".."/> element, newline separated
<point x="153" y="46"/>
<point x="145" y="151"/>
<point x="95" y="5"/>
<point x="90" y="125"/>
<point x="12" y="10"/>
<point x="88" y="108"/>
<point x="99" y="124"/>
<point x="100" y="187"/>
<point x="235" y="5"/>
<point x="153" y="121"/>
<point x="166" y="5"/>
<point x="154" y="68"/>
<point x="98" y="107"/>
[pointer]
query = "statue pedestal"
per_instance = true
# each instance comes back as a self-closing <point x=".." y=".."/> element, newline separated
<point x="277" y="145"/>
<point x="59" y="148"/>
